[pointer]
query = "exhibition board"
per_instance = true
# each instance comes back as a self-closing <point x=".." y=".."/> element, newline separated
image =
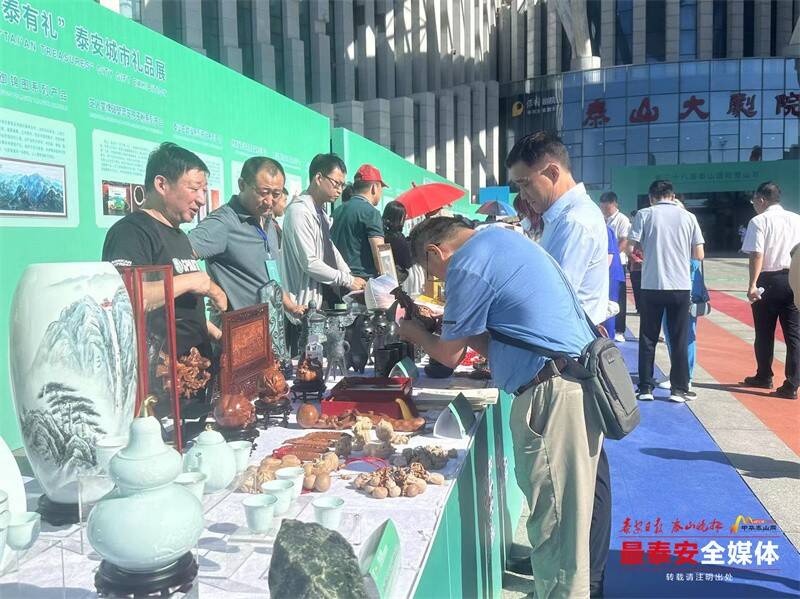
<point x="453" y="537"/>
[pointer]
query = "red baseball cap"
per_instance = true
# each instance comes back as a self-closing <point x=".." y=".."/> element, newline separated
<point x="367" y="172"/>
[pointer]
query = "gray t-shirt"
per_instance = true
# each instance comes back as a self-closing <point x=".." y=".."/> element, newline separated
<point x="236" y="250"/>
<point x="667" y="234"/>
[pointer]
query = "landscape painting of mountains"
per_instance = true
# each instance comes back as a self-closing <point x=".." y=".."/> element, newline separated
<point x="32" y="188"/>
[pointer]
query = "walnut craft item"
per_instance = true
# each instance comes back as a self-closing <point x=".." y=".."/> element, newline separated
<point x="192" y="370"/>
<point x="234" y="410"/>
<point x="347" y="419"/>
<point x="394" y="481"/>
<point x="271" y="385"/>
<point x="317" y="472"/>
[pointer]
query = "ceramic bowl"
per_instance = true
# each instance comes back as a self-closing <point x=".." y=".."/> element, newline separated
<point x="194" y="482"/>
<point x="283" y="490"/>
<point x="23" y="530"/>
<point x="328" y="511"/>
<point x="241" y="452"/>
<point x="106" y="446"/>
<point x="259" y="511"/>
<point x="296" y="474"/>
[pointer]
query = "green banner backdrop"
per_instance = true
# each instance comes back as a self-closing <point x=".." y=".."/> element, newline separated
<point x="85" y="95"/>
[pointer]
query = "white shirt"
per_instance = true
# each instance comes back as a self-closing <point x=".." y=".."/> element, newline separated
<point x="667" y="234"/>
<point x="773" y="233"/>
<point x="302" y="265"/>
<point x="621" y="225"/>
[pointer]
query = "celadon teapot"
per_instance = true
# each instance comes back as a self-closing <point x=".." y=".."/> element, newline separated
<point x="147" y="522"/>
<point x="212" y="456"/>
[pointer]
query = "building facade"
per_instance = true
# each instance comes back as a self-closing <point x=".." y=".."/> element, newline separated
<point x="450" y="84"/>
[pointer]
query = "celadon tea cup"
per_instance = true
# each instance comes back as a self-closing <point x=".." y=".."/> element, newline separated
<point x="241" y="453"/>
<point x="283" y="490"/>
<point x="296" y="474"/>
<point x="328" y="511"/>
<point x="23" y="530"/>
<point x="259" y="510"/>
<point x="194" y="482"/>
<point x="106" y="446"/>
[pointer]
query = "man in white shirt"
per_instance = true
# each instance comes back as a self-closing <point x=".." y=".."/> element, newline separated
<point x="669" y="237"/>
<point x="621" y="226"/>
<point x="769" y="240"/>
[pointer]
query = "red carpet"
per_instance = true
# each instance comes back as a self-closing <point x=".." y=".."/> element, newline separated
<point x="737" y="308"/>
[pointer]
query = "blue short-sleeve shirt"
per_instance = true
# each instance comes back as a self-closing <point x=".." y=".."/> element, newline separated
<point x="501" y="280"/>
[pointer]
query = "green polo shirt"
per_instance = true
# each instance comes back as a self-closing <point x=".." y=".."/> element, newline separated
<point x="354" y="222"/>
<point x="236" y="249"/>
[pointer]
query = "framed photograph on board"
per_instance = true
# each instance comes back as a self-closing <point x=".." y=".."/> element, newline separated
<point x="384" y="260"/>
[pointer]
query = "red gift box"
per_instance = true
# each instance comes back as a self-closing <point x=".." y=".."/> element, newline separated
<point x="370" y="394"/>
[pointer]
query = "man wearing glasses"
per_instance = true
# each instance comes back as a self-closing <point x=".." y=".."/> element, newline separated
<point x="238" y="239"/>
<point x="312" y="267"/>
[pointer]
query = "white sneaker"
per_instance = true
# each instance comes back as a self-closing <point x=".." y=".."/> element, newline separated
<point x="678" y="397"/>
<point x="645" y="397"/>
<point x="619" y="338"/>
<point x="665" y="384"/>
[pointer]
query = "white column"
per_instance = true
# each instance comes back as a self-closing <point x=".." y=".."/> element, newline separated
<point x="504" y="43"/>
<point x="517" y="43"/>
<point x="763" y="33"/>
<point x="324" y="108"/>
<point x="493" y="21"/>
<point x="153" y="14"/>
<point x="735" y="28"/>
<point x="192" y="19"/>
<point x="436" y="52"/>
<point x="639" y="31"/>
<point x="463" y="136"/>
<point x="469" y="39"/>
<point x="531" y="39"/>
<point x="705" y="29"/>
<point x="320" y="52"/>
<point x="386" y="43"/>
<point x="479" y="150"/>
<point x="378" y="121"/>
<point x="493" y="158"/>
<point x="445" y="45"/>
<point x="553" y="39"/>
<point x="459" y="35"/>
<point x="672" y="48"/>
<point x="294" y="63"/>
<point x="263" y="52"/>
<point x="426" y="115"/>
<point x="344" y="50"/>
<point x="349" y="115"/>
<point x="367" y="81"/>
<point x="608" y="33"/>
<point x="230" y="54"/>
<point x="446" y="150"/>
<point x="419" y="45"/>
<point x="403" y="127"/>
<point x="404" y="49"/>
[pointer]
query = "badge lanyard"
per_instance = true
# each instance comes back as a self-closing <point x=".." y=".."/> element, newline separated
<point x="263" y="236"/>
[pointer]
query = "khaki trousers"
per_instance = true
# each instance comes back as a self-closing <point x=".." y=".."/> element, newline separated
<point x="557" y="444"/>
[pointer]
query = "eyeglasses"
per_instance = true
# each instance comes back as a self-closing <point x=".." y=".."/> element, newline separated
<point x="266" y="191"/>
<point x="336" y="184"/>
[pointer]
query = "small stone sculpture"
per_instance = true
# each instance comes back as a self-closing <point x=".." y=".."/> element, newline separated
<point x="394" y="481"/>
<point x="361" y="430"/>
<point x="431" y="457"/>
<point x="272" y="386"/>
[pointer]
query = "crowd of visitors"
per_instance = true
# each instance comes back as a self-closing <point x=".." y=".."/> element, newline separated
<point x="504" y="292"/>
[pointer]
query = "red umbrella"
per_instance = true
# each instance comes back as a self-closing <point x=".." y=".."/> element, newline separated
<point x="421" y="199"/>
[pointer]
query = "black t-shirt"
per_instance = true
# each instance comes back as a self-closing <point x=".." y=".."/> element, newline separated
<point x="400" y="250"/>
<point x="140" y="240"/>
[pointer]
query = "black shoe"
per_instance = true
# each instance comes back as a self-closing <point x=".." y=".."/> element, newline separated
<point x="596" y="590"/>
<point x="759" y="383"/>
<point x="785" y="391"/>
<point x="520" y="566"/>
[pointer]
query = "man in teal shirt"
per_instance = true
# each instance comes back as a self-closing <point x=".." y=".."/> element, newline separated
<point x="357" y="228"/>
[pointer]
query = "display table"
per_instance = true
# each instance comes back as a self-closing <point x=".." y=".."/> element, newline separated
<point x="454" y="537"/>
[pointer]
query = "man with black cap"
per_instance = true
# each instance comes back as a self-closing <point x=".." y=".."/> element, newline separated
<point x="357" y="227"/>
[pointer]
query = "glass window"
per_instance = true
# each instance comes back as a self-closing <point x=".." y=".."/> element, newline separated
<point x="790" y="139"/>
<point x="573" y="149"/>
<point x="667" y="107"/>
<point x="725" y="74"/>
<point x="772" y="126"/>
<point x="593" y="169"/>
<point x="688" y="36"/>
<point x="664" y="78"/>
<point x="754" y="154"/>
<point x="636" y="139"/>
<point x="793" y="74"/>
<point x="611" y="163"/>
<point x="694" y="76"/>
<point x="577" y="167"/>
<point x="663" y="138"/>
<point x="724" y="128"/>
<point x="572" y="87"/>
<point x="750" y="133"/>
<point x="695" y="157"/>
<point x="655" y="30"/>
<point x="751" y="73"/>
<point x="572" y="136"/>
<point x="772" y="140"/>
<point x="593" y="142"/>
<point x="573" y="116"/>
<point x="636" y="159"/>
<point x="772" y="154"/>
<point x="769" y="102"/>
<point x="664" y="157"/>
<point x="615" y="82"/>
<point x="616" y="111"/>
<point x="593" y="84"/>
<point x="694" y="136"/>
<point x="639" y="80"/>
<point x="724" y="142"/>
<point x="773" y="72"/>
<point x="700" y="104"/>
<point x="614" y="133"/>
<point x="724" y="155"/>
<point x="623" y="38"/>
<point x="720" y="104"/>
<point x="615" y="147"/>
